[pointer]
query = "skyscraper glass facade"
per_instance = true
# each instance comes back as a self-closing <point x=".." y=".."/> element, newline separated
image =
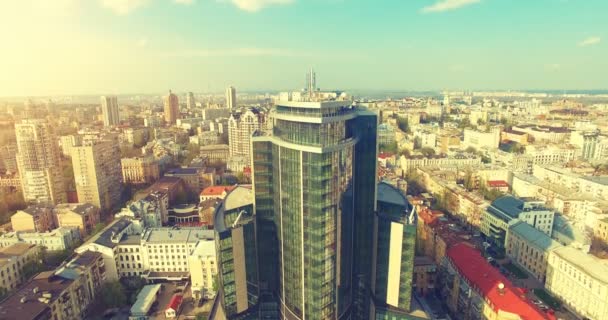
<point x="306" y="196"/>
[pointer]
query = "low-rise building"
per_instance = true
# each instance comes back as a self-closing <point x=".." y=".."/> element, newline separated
<point x="530" y="248"/>
<point x="216" y="152"/>
<point x="140" y="170"/>
<point x="13" y="259"/>
<point x="600" y="232"/>
<point x="35" y="218"/>
<point x="507" y="210"/>
<point x="63" y="294"/>
<point x="54" y="240"/>
<point x="425" y="274"/>
<point x="580" y="280"/>
<point x="83" y="216"/>
<point x="462" y="160"/>
<point x="145" y="299"/>
<point x="474" y="289"/>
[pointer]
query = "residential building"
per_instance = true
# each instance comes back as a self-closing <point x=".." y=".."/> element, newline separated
<point x="234" y="226"/>
<point x="83" y="216"/>
<point x="203" y="270"/>
<point x="216" y="152"/>
<point x="395" y="251"/>
<point x="595" y="186"/>
<point x="600" y="232"/>
<point x="514" y="136"/>
<point x="140" y="170"/>
<point x="544" y="133"/>
<point x="530" y="248"/>
<point x="241" y="126"/>
<point x="425" y="275"/>
<point x="173" y="187"/>
<point x="8" y="158"/>
<point x="190" y="101"/>
<point x="507" y="210"/>
<point x="231" y="98"/>
<point x="171" y="108"/>
<point x="215" y="192"/>
<point x="580" y="281"/>
<point x="461" y="160"/>
<point x="55" y="240"/>
<point x="482" y="140"/>
<point x="109" y="110"/>
<point x="97" y="173"/>
<point x="38" y="163"/>
<point x="196" y="179"/>
<point x="474" y="289"/>
<point x="34" y="218"/>
<point x="320" y="142"/>
<point x="386" y="134"/>
<point x="63" y="294"/>
<point x="13" y="260"/>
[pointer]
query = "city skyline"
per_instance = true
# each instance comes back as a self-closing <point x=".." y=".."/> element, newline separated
<point x="125" y="46"/>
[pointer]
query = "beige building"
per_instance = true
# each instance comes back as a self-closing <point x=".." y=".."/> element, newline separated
<point x="530" y="248"/>
<point x="203" y="268"/>
<point x="12" y="260"/>
<point x="97" y="173"/>
<point x="38" y="162"/>
<point x="171" y="103"/>
<point x="35" y="218"/>
<point x="600" y="232"/>
<point x="216" y="152"/>
<point x="140" y="170"/>
<point x="580" y="281"/>
<point x="83" y="216"/>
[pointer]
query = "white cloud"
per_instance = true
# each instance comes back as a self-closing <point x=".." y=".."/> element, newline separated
<point x="186" y="2"/>
<point x="257" y="5"/>
<point x="123" y="7"/>
<point x="589" y="41"/>
<point x="239" y="52"/>
<point x="447" y="5"/>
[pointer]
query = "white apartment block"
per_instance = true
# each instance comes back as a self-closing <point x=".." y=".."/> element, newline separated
<point x="596" y="187"/>
<point x="170" y="253"/>
<point x="482" y="140"/>
<point x="54" y="240"/>
<point x="240" y="128"/>
<point x="580" y="280"/>
<point x="410" y="164"/>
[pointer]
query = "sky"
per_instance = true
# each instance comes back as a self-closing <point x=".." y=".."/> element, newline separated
<point x="75" y="47"/>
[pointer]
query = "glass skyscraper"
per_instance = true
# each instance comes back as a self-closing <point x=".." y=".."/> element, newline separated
<point x="314" y="184"/>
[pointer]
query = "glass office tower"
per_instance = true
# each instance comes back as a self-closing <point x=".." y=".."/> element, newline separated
<point x="314" y="184"/>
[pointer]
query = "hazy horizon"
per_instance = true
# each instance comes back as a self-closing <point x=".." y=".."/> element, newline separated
<point x="72" y="47"/>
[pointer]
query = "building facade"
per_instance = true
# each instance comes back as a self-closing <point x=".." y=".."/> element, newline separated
<point x="140" y="170"/>
<point x="38" y="162"/>
<point x="240" y="128"/>
<point x="237" y="254"/>
<point x="35" y="218"/>
<point x="13" y="259"/>
<point x="171" y="108"/>
<point x="109" y="110"/>
<point x="312" y="214"/>
<point x="83" y="216"/>
<point x="231" y="98"/>
<point x="395" y="251"/>
<point x="97" y="173"/>
<point x="580" y="280"/>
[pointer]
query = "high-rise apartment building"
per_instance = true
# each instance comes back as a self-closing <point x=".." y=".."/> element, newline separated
<point x="171" y="108"/>
<point x="190" y="102"/>
<point x="314" y="181"/>
<point x="97" y="172"/>
<point x="231" y="98"/>
<point x="109" y="109"/>
<point x="240" y="127"/>
<point x="38" y="162"/>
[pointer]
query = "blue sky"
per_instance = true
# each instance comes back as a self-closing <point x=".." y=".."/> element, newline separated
<point x="150" y="46"/>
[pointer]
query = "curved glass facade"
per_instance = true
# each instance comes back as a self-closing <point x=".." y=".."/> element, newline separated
<point x="304" y="183"/>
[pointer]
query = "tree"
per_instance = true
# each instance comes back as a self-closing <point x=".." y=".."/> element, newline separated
<point x="403" y="124"/>
<point x="471" y="150"/>
<point x="426" y="151"/>
<point x="464" y="123"/>
<point x="390" y="148"/>
<point x="113" y="295"/>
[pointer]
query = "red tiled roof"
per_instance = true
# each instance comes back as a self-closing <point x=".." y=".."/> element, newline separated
<point x="175" y="302"/>
<point x="216" y="190"/>
<point x="429" y="216"/>
<point x="497" y="183"/>
<point x="384" y="155"/>
<point x="485" y="279"/>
